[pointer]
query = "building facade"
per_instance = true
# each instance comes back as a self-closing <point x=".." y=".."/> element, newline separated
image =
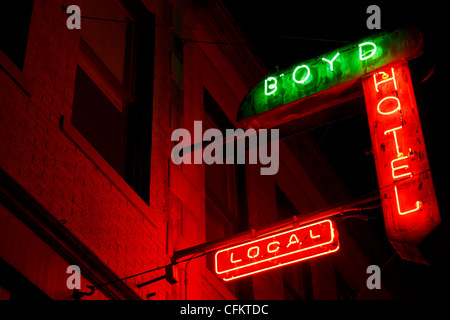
<point x="87" y="178"/>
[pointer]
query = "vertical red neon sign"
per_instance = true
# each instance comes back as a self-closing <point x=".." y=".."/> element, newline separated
<point x="406" y="189"/>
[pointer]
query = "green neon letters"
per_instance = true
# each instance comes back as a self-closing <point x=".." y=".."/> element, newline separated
<point x="334" y="68"/>
<point x="272" y="86"/>
<point x="331" y="61"/>
<point x="364" y="55"/>
<point x="308" y="73"/>
<point x="302" y="73"/>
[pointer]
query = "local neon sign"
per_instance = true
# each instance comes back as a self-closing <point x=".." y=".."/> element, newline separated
<point x="329" y="70"/>
<point x="406" y="189"/>
<point x="274" y="251"/>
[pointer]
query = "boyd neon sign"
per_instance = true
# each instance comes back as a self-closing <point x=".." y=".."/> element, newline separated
<point x="305" y="242"/>
<point x="335" y="68"/>
<point x="407" y="193"/>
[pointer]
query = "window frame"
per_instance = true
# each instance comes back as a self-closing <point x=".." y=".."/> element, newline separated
<point x="12" y="70"/>
<point x="230" y="209"/>
<point x="127" y="97"/>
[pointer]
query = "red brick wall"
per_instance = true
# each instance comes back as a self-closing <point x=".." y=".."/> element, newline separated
<point x="121" y="230"/>
<point x="40" y="157"/>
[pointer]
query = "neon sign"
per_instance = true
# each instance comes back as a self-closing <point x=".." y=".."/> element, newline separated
<point x="298" y="244"/>
<point x="332" y="69"/>
<point x="406" y="189"/>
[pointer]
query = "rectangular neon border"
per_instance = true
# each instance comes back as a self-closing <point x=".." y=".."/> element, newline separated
<point x="277" y="257"/>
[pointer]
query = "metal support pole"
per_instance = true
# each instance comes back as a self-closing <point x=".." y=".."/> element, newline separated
<point x="276" y="227"/>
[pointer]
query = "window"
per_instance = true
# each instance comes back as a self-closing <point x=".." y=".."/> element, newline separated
<point x="176" y="74"/>
<point x="113" y="98"/>
<point x="176" y="105"/>
<point x="103" y="124"/>
<point x="225" y="195"/>
<point x="15" y="23"/>
<point x="110" y="41"/>
<point x="220" y="181"/>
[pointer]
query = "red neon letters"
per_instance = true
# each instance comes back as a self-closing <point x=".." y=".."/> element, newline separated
<point x="274" y="251"/>
<point x="409" y="203"/>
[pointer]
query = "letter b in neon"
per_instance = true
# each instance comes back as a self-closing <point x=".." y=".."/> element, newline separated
<point x="270" y="86"/>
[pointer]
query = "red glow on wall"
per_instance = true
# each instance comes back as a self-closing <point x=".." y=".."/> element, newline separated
<point x="406" y="189"/>
<point x="302" y="243"/>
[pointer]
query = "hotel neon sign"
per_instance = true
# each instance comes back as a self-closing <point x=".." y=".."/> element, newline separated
<point x="406" y="188"/>
<point x="274" y="251"/>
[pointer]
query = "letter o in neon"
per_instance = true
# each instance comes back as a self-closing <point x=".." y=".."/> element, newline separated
<point x="255" y="255"/>
<point x="305" y="78"/>
<point x="273" y="250"/>
<point x="389" y="112"/>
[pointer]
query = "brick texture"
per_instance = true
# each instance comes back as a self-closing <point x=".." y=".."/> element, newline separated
<point x="126" y="237"/>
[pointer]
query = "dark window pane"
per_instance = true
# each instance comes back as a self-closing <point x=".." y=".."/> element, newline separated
<point x="15" y="23"/>
<point x="98" y="120"/>
<point x="108" y="39"/>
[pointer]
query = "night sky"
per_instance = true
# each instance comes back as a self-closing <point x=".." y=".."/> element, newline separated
<point x="286" y="32"/>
